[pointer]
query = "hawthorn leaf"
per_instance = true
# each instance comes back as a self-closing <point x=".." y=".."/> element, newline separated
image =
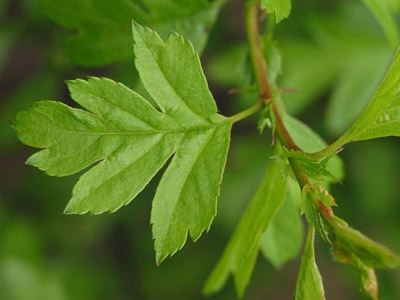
<point x="131" y="141"/>
<point x="309" y="282"/>
<point x="240" y="254"/>
<point x="382" y="11"/>
<point x="381" y="117"/>
<point x="103" y="27"/>
<point x="283" y="238"/>
<point x="280" y="8"/>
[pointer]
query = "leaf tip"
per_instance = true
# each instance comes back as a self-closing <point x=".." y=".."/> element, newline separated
<point x="160" y="257"/>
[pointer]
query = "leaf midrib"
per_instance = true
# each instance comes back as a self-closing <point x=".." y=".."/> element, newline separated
<point x="143" y="132"/>
<point x="180" y="130"/>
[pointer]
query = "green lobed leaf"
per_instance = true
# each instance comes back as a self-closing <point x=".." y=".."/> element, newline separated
<point x="382" y="11"/>
<point x="283" y="238"/>
<point x="309" y="282"/>
<point x="104" y="26"/>
<point x="131" y="141"/>
<point x="240" y="254"/>
<point x="280" y="8"/>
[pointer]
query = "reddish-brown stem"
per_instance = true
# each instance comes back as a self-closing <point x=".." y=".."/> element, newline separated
<point x="260" y="71"/>
<point x="256" y="55"/>
<point x="281" y="130"/>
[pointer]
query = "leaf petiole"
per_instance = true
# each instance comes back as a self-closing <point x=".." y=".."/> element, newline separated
<point x="246" y="113"/>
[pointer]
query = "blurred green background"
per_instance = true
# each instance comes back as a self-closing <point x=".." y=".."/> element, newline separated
<point x="334" y="54"/>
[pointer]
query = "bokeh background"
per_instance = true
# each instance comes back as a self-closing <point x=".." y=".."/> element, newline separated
<point x="334" y="54"/>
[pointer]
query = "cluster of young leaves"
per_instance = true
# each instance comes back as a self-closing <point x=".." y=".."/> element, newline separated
<point x="103" y="31"/>
<point x="240" y="262"/>
<point x="349" y="246"/>
<point x="131" y="140"/>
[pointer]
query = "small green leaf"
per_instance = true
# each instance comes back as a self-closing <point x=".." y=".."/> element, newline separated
<point x="280" y="8"/>
<point x="104" y="26"/>
<point x="264" y="120"/>
<point x="382" y="12"/>
<point x="240" y="254"/>
<point x="309" y="141"/>
<point x="283" y="238"/>
<point x="131" y="141"/>
<point x="370" y="253"/>
<point x="313" y="195"/>
<point x="314" y="169"/>
<point x="309" y="282"/>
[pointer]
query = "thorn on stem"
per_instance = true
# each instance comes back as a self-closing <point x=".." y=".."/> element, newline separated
<point x="288" y="90"/>
<point x="234" y="91"/>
